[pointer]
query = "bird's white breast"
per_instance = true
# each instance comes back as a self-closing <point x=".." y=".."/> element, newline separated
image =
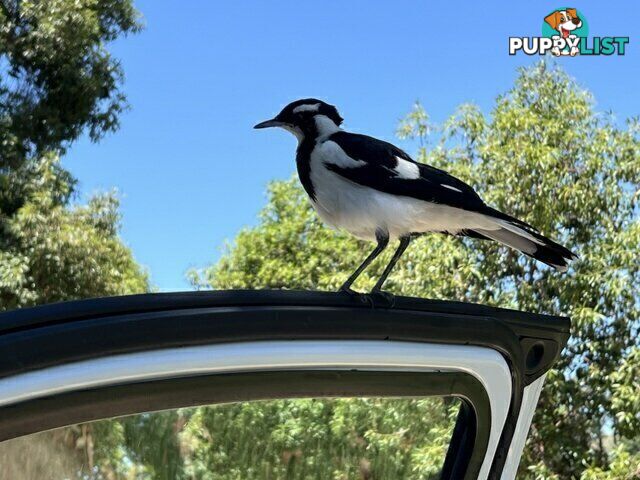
<point x="362" y="210"/>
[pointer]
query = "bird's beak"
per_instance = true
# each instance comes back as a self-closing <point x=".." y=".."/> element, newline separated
<point x="269" y="123"/>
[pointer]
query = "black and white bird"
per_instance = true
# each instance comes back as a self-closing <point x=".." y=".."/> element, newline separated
<point x="377" y="192"/>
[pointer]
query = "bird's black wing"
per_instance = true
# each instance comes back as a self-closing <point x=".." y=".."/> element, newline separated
<point x="381" y="171"/>
<point x="381" y="166"/>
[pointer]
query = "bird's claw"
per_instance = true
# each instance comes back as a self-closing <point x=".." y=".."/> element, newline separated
<point x="362" y="297"/>
<point x="385" y="299"/>
<point x="377" y="298"/>
<point x="348" y="291"/>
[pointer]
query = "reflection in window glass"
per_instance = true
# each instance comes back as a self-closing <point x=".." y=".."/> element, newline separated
<point x="340" y="439"/>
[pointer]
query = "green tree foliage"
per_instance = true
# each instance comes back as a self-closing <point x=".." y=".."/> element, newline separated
<point x="56" y="76"/>
<point x="339" y="439"/>
<point x="152" y="445"/>
<point x="57" y="80"/>
<point x="50" y="252"/>
<point x="333" y="438"/>
<point x="545" y="155"/>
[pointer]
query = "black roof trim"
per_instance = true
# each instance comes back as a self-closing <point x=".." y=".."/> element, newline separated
<point x="531" y="342"/>
<point x="26" y="318"/>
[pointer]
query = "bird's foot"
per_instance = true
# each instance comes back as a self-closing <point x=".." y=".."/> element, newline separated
<point x="358" y="296"/>
<point x="383" y="299"/>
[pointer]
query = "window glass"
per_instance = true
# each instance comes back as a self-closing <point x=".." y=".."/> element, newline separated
<point x="341" y="438"/>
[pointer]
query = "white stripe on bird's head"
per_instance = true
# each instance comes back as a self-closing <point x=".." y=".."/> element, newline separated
<point x="308" y="107"/>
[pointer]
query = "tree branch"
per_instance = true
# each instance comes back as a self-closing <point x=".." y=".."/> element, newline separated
<point x="5" y="9"/>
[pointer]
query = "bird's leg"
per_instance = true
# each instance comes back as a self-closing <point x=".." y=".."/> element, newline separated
<point x="404" y="243"/>
<point x="383" y="241"/>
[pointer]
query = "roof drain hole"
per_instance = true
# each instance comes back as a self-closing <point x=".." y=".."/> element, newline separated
<point x="534" y="356"/>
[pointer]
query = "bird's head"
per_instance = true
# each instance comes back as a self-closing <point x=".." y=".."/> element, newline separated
<point x="306" y="117"/>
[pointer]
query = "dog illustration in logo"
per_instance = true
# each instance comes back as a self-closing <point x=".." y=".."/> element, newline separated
<point x="565" y="22"/>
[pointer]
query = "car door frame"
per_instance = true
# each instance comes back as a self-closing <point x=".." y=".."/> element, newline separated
<point x="87" y="347"/>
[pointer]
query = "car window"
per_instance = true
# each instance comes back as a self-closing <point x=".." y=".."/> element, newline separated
<point x="311" y="438"/>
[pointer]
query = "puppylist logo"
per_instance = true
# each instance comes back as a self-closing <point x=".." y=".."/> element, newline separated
<point x="565" y="31"/>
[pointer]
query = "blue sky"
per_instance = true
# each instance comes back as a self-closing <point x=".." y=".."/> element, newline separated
<point x="190" y="170"/>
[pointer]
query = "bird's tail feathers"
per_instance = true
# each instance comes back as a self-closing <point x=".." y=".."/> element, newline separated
<point x="524" y="238"/>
